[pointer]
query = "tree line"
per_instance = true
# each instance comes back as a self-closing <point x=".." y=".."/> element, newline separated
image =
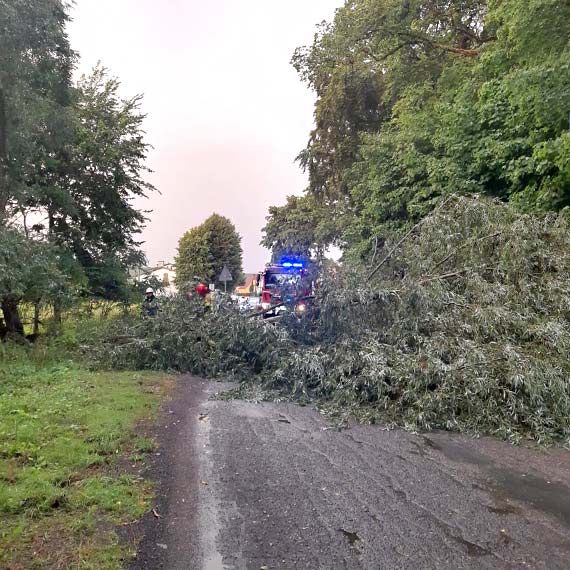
<point x="420" y="98"/>
<point x="72" y="159"/>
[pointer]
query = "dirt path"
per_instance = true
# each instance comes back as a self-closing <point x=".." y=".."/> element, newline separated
<point x="271" y="486"/>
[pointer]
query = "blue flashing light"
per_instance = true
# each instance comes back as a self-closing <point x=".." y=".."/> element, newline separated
<point x="292" y="263"/>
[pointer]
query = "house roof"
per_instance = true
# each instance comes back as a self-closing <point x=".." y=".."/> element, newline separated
<point x="250" y="278"/>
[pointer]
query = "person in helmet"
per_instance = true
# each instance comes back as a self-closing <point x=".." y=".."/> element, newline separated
<point x="150" y="304"/>
<point x="202" y="290"/>
<point x="208" y="296"/>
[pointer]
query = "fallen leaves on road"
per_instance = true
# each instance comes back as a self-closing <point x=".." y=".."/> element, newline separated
<point x="352" y="537"/>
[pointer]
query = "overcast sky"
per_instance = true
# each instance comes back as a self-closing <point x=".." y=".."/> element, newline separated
<point x="227" y="113"/>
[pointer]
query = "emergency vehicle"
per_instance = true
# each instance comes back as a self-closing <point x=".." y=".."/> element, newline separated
<point x="286" y="287"/>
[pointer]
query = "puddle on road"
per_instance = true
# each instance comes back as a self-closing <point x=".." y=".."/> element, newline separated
<point x="551" y="498"/>
<point x="457" y="452"/>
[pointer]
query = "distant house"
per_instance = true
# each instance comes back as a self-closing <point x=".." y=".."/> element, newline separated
<point x="248" y="288"/>
<point x="164" y="272"/>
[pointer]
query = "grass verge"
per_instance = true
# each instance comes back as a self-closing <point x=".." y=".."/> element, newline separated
<point x="70" y="460"/>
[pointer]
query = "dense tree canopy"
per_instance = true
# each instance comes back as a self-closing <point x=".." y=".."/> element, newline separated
<point x="35" y="70"/>
<point x="72" y="159"/>
<point x="102" y="174"/>
<point x="360" y="66"/>
<point x="419" y="98"/>
<point x="204" y="250"/>
<point x="298" y="229"/>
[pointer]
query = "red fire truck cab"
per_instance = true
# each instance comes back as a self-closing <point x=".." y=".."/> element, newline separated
<point x="287" y="284"/>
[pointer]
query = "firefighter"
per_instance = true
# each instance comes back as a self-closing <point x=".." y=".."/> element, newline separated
<point x="150" y="304"/>
<point x="204" y="292"/>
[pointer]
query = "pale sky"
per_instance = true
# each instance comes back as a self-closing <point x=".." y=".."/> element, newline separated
<point x="227" y="113"/>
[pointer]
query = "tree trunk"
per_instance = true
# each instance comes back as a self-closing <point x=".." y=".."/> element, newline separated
<point x="12" y="319"/>
<point x="3" y="329"/>
<point x="57" y="317"/>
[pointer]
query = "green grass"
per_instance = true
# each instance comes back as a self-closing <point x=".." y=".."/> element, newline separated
<point x="69" y="458"/>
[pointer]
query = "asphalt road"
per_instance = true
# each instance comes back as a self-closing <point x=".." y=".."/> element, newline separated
<point x="271" y="486"/>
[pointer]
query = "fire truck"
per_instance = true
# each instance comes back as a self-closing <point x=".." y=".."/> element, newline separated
<point x="283" y="287"/>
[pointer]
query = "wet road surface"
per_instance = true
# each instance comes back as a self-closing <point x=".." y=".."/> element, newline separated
<point x="272" y="486"/>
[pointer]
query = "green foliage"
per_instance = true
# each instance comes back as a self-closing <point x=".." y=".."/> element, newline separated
<point x="187" y="337"/>
<point x="71" y="160"/>
<point x="29" y="269"/>
<point x="420" y="99"/>
<point x="204" y="250"/>
<point x="360" y="65"/>
<point x="464" y="328"/>
<point x="35" y="70"/>
<point x="301" y="228"/>
<point x="105" y="171"/>
<point x="192" y="261"/>
<point x="95" y="174"/>
<point x="63" y="430"/>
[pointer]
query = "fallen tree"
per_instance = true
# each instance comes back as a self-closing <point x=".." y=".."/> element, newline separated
<point x="465" y="326"/>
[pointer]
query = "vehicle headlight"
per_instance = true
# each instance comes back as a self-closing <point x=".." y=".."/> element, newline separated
<point x="301" y="308"/>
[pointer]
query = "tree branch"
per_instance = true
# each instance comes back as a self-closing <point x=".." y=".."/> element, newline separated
<point x="396" y="247"/>
<point x="421" y="38"/>
<point x="384" y="56"/>
<point x="456" y="50"/>
<point x="463" y="245"/>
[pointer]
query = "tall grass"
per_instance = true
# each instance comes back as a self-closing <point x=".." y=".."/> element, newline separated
<point x="62" y="431"/>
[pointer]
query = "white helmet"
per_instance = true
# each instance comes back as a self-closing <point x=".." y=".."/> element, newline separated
<point x="149" y="290"/>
